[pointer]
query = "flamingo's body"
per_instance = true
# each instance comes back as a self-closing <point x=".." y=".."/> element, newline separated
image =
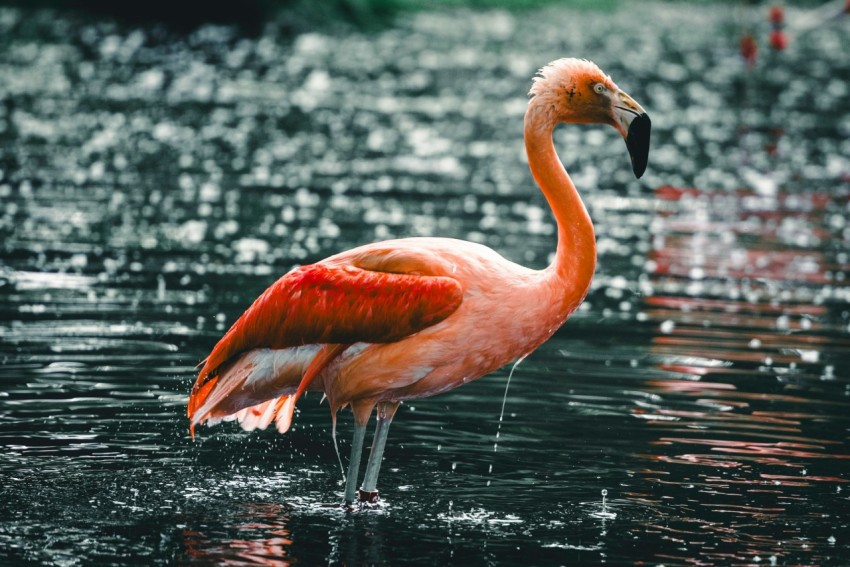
<point x="410" y="318"/>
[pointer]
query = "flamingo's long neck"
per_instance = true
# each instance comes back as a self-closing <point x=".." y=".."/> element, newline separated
<point x="575" y="260"/>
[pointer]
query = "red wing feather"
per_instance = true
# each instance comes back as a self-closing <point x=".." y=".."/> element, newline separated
<point x="332" y="304"/>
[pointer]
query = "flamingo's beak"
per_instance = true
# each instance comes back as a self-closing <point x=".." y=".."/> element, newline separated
<point x="634" y="125"/>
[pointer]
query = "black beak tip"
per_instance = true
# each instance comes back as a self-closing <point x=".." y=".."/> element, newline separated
<point x="637" y="142"/>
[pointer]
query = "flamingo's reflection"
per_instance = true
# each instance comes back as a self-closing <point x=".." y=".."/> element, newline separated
<point x="266" y="533"/>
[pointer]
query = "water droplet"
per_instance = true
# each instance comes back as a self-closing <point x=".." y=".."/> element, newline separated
<point x="79" y="261"/>
<point x="809" y="355"/>
<point x="755" y="343"/>
<point x="831" y="540"/>
<point x="667" y="327"/>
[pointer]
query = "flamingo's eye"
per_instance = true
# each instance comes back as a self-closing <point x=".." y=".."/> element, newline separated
<point x="599" y="88"/>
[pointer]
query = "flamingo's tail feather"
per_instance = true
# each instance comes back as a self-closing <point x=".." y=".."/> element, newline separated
<point x="260" y="387"/>
<point x="260" y="416"/>
<point x="284" y="413"/>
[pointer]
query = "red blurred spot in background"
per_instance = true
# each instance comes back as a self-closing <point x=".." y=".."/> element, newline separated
<point x="749" y="49"/>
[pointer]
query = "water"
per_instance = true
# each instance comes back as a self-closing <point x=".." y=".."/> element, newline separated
<point x="153" y="185"/>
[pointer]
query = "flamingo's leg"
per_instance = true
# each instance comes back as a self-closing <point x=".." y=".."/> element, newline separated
<point x="369" y="491"/>
<point x="354" y="462"/>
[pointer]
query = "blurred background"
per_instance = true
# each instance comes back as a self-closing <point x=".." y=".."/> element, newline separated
<point x="161" y="163"/>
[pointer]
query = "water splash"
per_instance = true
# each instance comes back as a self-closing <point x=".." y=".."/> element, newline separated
<point x="336" y="446"/>
<point x="603" y="511"/>
<point x="504" y="401"/>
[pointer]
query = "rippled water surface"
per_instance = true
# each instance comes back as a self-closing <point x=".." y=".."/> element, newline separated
<point x="153" y="184"/>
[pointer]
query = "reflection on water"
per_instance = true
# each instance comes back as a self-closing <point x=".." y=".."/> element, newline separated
<point x="268" y="542"/>
<point x="748" y="418"/>
<point x="694" y="411"/>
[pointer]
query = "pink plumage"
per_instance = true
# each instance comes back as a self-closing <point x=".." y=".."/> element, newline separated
<point x="410" y="318"/>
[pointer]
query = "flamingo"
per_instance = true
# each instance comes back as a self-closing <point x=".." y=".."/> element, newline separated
<point x="410" y="318"/>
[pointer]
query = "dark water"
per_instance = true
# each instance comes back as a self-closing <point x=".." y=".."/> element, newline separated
<point x="153" y="185"/>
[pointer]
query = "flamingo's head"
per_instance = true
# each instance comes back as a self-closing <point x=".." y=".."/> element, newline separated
<point x="577" y="91"/>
